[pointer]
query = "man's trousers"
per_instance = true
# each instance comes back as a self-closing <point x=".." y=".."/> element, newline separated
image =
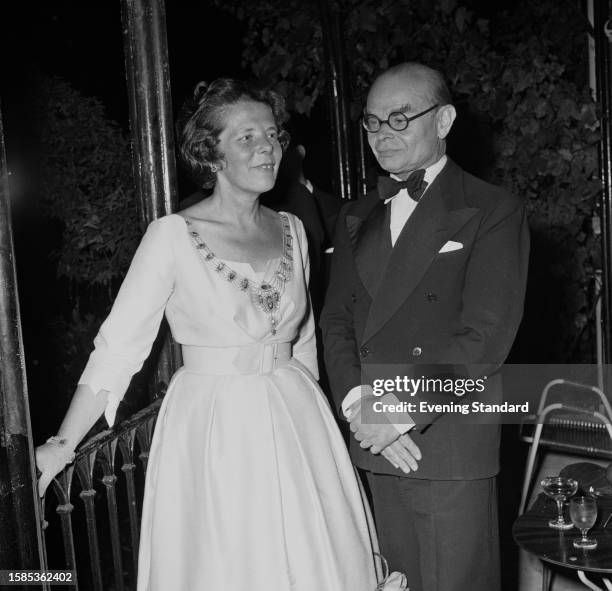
<point x="443" y="534"/>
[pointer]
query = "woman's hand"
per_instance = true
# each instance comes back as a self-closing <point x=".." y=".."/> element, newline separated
<point x="51" y="459"/>
<point x="84" y="410"/>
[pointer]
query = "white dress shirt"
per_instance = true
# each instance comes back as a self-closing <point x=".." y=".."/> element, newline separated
<point x="402" y="206"/>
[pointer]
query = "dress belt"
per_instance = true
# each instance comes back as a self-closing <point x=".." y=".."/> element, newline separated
<point x="249" y="359"/>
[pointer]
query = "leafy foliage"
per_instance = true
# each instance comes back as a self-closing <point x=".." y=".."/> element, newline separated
<point x="520" y="77"/>
<point x="72" y="340"/>
<point x="87" y="189"/>
<point x="87" y="186"/>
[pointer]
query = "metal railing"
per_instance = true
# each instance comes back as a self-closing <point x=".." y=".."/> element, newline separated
<point x="114" y="462"/>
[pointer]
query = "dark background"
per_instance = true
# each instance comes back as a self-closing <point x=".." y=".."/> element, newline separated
<point x="82" y="43"/>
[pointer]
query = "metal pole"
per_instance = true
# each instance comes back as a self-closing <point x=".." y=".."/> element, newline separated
<point x="148" y="79"/>
<point x="338" y="96"/>
<point x="601" y="14"/>
<point x="20" y="534"/>
<point x="362" y="170"/>
<point x="151" y="126"/>
<point x="596" y="220"/>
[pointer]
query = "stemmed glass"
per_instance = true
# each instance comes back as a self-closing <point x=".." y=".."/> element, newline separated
<point x="583" y="512"/>
<point x="560" y="489"/>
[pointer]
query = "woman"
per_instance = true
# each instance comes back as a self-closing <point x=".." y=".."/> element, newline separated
<point x="249" y="485"/>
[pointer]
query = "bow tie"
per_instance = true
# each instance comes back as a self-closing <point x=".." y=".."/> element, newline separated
<point x="388" y="187"/>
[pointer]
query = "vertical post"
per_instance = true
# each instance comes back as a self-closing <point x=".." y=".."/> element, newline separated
<point x="338" y="96"/>
<point x="148" y="80"/>
<point x="20" y="533"/>
<point x="363" y="172"/>
<point x="601" y="16"/>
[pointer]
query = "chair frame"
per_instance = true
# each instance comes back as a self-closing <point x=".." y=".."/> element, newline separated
<point x="544" y="410"/>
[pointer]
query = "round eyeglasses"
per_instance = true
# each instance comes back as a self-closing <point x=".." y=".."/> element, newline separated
<point x="397" y="121"/>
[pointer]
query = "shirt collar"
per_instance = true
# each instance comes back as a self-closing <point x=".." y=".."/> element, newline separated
<point x="431" y="172"/>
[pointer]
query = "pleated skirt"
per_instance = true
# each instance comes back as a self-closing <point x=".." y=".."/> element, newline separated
<point x="250" y="487"/>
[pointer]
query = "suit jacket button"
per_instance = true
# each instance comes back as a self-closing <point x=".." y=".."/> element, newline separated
<point x="364" y="351"/>
<point x="353" y="298"/>
<point x="432" y="297"/>
<point x="416" y="352"/>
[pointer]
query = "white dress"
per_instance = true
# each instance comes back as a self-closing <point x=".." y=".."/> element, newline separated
<point x="249" y="485"/>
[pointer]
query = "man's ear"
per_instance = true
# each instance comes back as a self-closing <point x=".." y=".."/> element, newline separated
<point x="444" y="120"/>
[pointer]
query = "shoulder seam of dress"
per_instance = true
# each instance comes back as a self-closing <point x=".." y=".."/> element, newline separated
<point x="160" y="223"/>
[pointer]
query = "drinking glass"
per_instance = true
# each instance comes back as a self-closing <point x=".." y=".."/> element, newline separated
<point x="560" y="489"/>
<point x="583" y="512"/>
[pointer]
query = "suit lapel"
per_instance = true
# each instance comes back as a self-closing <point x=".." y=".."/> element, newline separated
<point x="373" y="247"/>
<point x="371" y="241"/>
<point x="438" y="217"/>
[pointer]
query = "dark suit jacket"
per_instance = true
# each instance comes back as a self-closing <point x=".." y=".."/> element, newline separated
<point x="416" y="307"/>
<point x="318" y="212"/>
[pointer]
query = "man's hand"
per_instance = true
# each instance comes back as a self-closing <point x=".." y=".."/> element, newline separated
<point x="403" y="454"/>
<point x="376" y="436"/>
<point x="384" y="438"/>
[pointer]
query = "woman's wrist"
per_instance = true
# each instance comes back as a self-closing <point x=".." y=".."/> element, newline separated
<point x="64" y="445"/>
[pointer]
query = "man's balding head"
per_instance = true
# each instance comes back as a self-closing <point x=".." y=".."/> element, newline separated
<point x="430" y="82"/>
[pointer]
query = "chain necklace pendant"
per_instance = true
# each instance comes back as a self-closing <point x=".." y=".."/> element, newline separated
<point x="267" y="295"/>
<point x="268" y="299"/>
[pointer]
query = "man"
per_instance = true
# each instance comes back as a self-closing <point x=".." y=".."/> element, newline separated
<point x="317" y="210"/>
<point x="427" y="272"/>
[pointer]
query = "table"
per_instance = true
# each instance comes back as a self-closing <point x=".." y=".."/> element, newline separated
<point x="532" y="533"/>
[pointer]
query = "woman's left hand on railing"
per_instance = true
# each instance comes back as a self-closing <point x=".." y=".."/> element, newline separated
<point x="51" y="459"/>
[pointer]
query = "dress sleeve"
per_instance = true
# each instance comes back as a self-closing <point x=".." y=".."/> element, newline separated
<point x="305" y="348"/>
<point x="125" y="338"/>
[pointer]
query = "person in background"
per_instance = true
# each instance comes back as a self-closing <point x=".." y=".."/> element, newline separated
<point x="316" y="209"/>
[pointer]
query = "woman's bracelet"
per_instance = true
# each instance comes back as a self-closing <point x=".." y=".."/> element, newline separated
<point x="62" y="442"/>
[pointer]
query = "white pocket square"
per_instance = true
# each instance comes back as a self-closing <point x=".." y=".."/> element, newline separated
<point x="450" y="246"/>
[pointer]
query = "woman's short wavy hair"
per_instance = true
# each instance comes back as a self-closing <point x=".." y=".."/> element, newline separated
<point x="200" y="123"/>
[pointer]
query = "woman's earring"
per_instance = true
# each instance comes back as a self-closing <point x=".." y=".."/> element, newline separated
<point x="214" y="168"/>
